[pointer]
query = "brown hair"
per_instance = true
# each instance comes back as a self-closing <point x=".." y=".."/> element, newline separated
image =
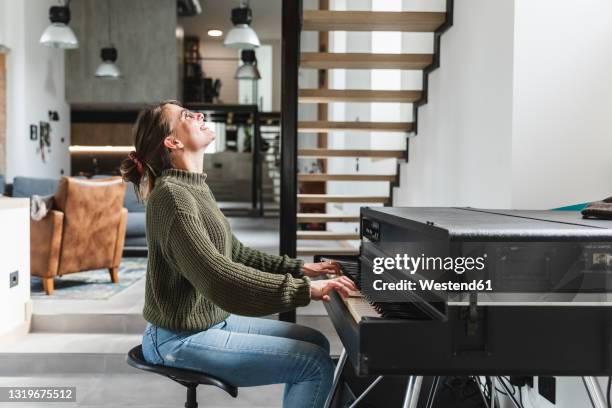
<point x="151" y="157"/>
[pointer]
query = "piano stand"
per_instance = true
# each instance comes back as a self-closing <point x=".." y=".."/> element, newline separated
<point x="365" y="392"/>
<point x="413" y="391"/>
<point x="337" y="383"/>
<point x="337" y="377"/>
<point x="594" y="392"/>
<point x="432" y="392"/>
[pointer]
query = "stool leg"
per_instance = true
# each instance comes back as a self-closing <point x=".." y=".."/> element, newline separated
<point x="192" y="397"/>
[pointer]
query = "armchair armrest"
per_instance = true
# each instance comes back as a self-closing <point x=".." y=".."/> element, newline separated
<point x="45" y="244"/>
<point x="120" y="241"/>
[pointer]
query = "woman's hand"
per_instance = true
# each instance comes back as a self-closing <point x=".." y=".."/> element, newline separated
<point x="312" y="270"/>
<point x="319" y="289"/>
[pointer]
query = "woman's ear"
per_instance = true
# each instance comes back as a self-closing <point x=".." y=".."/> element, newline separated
<point x="172" y="143"/>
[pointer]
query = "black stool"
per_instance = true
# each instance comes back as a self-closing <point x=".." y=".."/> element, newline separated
<point x="188" y="378"/>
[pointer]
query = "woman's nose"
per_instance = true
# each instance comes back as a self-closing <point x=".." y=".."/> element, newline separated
<point x="200" y="116"/>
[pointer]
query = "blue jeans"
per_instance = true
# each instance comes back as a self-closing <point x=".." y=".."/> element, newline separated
<point x="248" y="352"/>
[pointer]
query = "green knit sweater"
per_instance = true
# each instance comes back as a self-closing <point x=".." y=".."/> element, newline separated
<point x="198" y="272"/>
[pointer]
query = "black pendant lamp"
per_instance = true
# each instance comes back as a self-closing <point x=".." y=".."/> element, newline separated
<point x="108" y="69"/>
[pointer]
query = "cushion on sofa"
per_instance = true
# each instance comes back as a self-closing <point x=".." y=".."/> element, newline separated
<point x="131" y="202"/>
<point x="28" y="186"/>
<point x="135" y="224"/>
<point x="139" y="242"/>
<point x="2" y="184"/>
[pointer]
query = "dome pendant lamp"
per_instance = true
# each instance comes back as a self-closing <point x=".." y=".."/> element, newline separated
<point x="248" y="70"/>
<point x="242" y="36"/>
<point x="108" y="69"/>
<point x="58" y="34"/>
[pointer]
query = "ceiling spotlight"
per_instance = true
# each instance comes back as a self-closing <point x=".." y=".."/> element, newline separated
<point x="215" y="33"/>
<point x="108" y="68"/>
<point x="242" y="36"/>
<point x="58" y="34"/>
<point x="248" y="70"/>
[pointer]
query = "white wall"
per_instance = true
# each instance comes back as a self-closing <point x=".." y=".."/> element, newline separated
<point x="462" y="154"/>
<point x="518" y="117"/>
<point x="14" y="256"/>
<point x="562" y="122"/>
<point x="3" y="26"/>
<point x="513" y="116"/>
<point x="35" y="85"/>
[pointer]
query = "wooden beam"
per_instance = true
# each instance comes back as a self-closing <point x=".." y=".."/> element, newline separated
<point x="397" y="154"/>
<point x="327" y="235"/>
<point x="327" y="60"/>
<point x="303" y="217"/>
<point x="334" y="198"/>
<point x="322" y="96"/>
<point x="346" y="177"/>
<point x="311" y="251"/>
<point x="407" y="21"/>
<point x="328" y="126"/>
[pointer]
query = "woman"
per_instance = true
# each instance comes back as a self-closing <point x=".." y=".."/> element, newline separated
<point x="201" y="281"/>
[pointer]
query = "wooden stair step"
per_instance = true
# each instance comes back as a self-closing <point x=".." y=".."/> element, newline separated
<point x="310" y="251"/>
<point x="406" y="21"/>
<point x="314" y="217"/>
<point x="322" y="126"/>
<point x="397" y="154"/>
<point x="327" y="235"/>
<point x="343" y="198"/>
<point x="329" y="60"/>
<point x="356" y="95"/>
<point x="346" y="177"/>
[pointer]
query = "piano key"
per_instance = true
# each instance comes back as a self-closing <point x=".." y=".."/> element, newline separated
<point x="359" y="307"/>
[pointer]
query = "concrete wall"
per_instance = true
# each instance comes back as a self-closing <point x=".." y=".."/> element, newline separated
<point x="35" y="85"/>
<point x="143" y="31"/>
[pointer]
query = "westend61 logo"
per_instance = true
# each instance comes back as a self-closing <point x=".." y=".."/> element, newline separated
<point x="429" y="263"/>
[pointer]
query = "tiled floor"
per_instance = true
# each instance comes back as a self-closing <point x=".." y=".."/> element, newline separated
<point x="141" y="390"/>
<point x="83" y="344"/>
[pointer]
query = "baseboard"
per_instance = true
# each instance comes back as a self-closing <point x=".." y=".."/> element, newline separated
<point x="22" y="329"/>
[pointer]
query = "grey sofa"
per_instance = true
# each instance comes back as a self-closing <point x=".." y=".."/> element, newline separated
<point x="135" y="236"/>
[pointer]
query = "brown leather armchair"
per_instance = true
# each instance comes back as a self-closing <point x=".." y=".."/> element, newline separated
<point x="84" y="231"/>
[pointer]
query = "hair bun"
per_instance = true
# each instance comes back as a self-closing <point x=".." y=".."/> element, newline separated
<point x="137" y="162"/>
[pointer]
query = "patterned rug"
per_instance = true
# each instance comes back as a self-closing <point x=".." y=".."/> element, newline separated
<point x="95" y="284"/>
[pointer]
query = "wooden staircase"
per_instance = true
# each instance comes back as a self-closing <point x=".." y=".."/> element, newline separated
<point x="312" y="224"/>
<point x="356" y="95"/>
<point x="406" y="21"/>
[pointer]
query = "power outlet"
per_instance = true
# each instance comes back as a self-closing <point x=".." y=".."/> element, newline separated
<point x="14" y="279"/>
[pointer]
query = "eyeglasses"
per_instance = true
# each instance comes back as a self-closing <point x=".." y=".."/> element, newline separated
<point x="187" y="114"/>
